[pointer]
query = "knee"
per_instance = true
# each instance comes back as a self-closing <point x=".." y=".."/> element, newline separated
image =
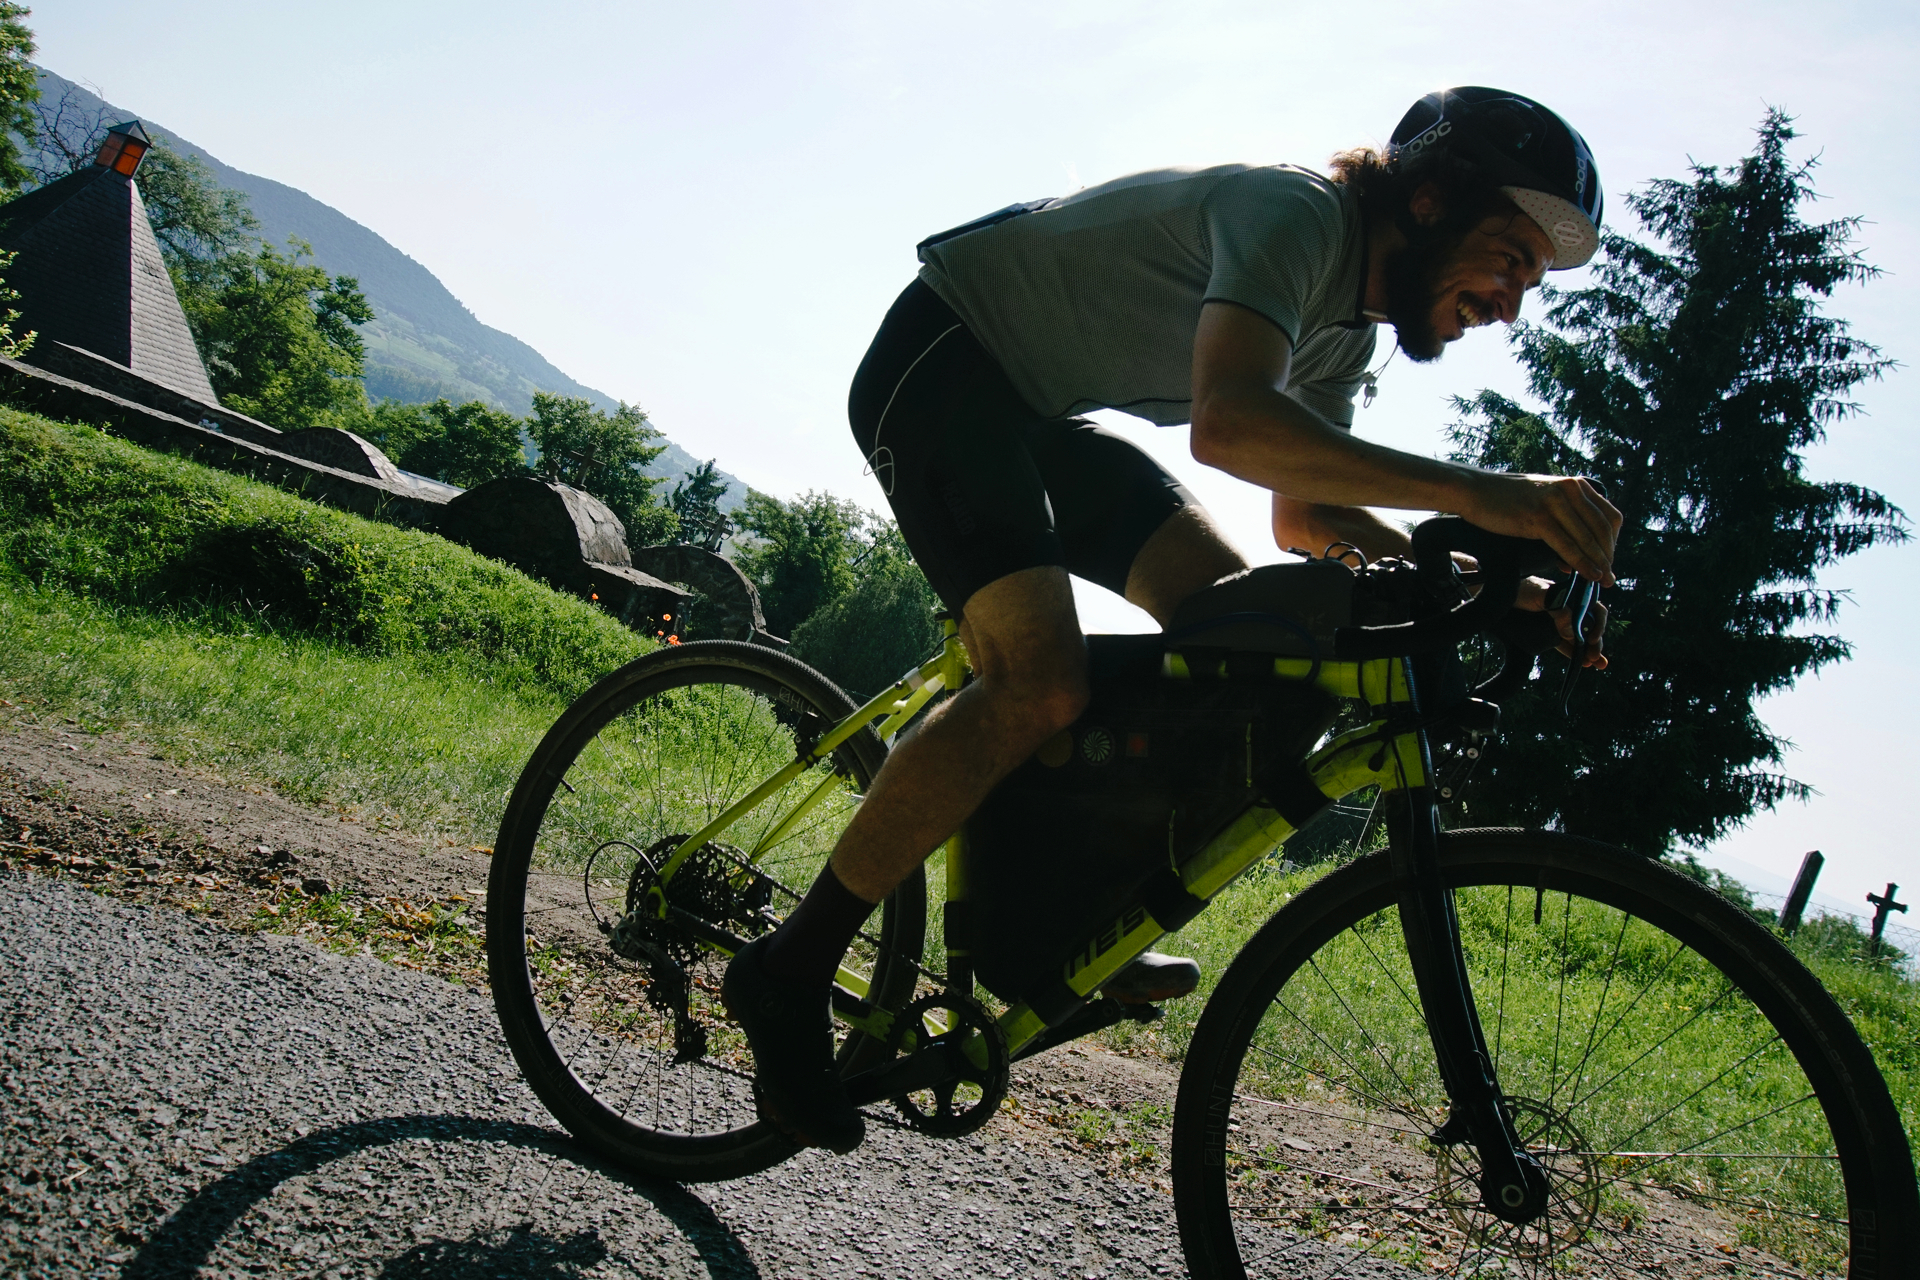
<point x="1041" y="702"/>
<point x="1059" y="704"/>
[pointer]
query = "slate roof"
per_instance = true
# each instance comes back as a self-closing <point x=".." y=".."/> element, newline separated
<point x="90" y="274"/>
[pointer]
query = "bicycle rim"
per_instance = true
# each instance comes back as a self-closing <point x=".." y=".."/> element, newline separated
<point x="1701" y="1105"/>
<point x="641" y="762"/>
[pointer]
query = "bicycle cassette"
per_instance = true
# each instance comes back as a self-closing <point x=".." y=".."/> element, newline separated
<point x="715" y="885"/>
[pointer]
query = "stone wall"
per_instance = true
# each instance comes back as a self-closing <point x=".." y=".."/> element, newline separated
<point x="550" y="531"/>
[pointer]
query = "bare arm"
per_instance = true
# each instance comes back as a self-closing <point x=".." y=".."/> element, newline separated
<point x="1313" y="526"/>
<point x="1245" y="425"/>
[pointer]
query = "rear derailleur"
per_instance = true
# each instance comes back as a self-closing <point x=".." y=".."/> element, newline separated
<point x="714" y="896"/>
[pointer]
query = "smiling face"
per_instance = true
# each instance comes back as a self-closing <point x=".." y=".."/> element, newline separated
<point x="1438" y="289"/>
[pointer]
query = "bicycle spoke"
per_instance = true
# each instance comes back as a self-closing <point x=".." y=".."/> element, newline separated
<point x="1730" y="1129"/>
<point x="1328" y="1115"/>
<point x="1405" y="995"/>
<point x="1560" y="1002"/>
<point x="1336" y="1083"/>
<point x="1411" y="1109"/>
<point x="1500" y="1008"/>
<point x="1752" y="1054"/>
<point x="1379" y="1051"/>
<point x="1698" y="1014"/>
<point x="1606" y="988"/>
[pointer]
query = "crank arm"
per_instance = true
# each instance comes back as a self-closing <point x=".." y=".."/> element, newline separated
<point x="927" y="1069"/>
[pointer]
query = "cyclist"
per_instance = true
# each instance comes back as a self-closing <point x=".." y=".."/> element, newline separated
<point x="1242" y="300"/>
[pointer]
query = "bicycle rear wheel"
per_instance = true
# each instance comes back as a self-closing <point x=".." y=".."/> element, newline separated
<point x="628" y="1045"/>
<point x="1702" y="1105"/>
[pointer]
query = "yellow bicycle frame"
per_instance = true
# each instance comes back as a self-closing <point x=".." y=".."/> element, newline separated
<point x="894" y="707"/>
<point x="1349" y="762"/>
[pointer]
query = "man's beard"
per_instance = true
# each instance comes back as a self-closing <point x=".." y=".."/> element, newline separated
<point x="1411" y="299"/>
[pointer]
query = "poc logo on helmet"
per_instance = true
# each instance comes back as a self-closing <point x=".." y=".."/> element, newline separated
<point x="1439" y="130"/>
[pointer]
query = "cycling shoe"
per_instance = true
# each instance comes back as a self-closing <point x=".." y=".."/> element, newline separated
<point x="1152" y="978"/>
<point x="791" y="1034"/>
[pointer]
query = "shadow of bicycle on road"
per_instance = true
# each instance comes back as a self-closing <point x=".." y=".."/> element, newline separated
<point x="525" y="1255"/>
<point x="507" y="1244"/>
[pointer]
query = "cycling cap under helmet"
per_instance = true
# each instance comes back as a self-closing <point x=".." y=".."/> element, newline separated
<point x="1541" y="164"/>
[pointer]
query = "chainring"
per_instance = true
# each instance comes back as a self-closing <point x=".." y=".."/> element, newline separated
<point x="944" y="1110"/>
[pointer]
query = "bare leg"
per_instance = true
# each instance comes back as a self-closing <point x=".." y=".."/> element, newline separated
<point x="1187" y="553"/>
<point x="1031" y="667"/>
<point x="1030" y="659"/>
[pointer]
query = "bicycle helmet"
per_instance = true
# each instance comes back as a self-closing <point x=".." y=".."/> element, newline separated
<point x="1542" y="165"/>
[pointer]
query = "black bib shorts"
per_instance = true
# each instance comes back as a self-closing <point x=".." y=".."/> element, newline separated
<point x="981" y="484"/>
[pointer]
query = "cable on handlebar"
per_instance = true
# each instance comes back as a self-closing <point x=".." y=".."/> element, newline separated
<point x="1503" y="563"/>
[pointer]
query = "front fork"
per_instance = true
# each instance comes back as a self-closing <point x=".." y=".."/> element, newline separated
<point x="1512" y="1183"/>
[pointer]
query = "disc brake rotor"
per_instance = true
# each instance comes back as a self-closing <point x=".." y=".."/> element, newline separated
<point x="1573" y="1174"/>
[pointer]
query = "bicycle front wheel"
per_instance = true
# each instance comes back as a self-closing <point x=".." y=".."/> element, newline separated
<point x="1701" y="1104"/>
<point x="621" y="1032"/>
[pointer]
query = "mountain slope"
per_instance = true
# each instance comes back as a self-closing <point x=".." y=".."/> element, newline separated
<point x="422" y="343"/>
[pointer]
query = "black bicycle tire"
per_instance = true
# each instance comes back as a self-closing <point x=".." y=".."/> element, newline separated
<point x="681" y="1157"/>
<point x="1877" y="1164"/>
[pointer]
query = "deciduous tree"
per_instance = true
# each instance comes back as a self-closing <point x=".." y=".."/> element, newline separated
<point x="883" y="626"/>
<point x="801" y="553"/>
<point x="1690" y="377"/>
<point x="196" y="220"/>
<point x="464" y="444"/>
<point x="277" y="334"/>
<point x="12" y="345"/>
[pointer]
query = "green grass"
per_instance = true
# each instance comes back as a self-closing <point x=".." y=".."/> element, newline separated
<point x="95" y="517"/>
<point x="341" y="660"/>
<point x="428" y="742"/>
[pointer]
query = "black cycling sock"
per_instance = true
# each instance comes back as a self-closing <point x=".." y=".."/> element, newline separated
<point x="805" y="950"/>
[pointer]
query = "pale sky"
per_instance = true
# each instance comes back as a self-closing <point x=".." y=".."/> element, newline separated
<point x="705" y="209"/>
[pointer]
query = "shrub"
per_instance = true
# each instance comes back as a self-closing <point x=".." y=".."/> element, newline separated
<point x="105" y="519"/>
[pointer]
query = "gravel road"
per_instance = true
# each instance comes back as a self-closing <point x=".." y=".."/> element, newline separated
<point x="181" y="1100"/>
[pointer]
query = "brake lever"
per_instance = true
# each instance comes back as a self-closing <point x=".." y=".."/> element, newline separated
<point x="1581" y="594"/>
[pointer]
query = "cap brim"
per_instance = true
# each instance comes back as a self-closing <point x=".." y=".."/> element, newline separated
<point x="1575" y="239"/>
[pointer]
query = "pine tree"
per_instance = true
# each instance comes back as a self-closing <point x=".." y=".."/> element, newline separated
<point x="19" y="91"/>
<point x="1689" y="379"/>
<point x="696" y="497"/>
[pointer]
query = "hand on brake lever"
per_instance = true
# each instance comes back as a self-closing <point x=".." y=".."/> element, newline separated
<point x="1568" y="513"/>
<point x="1533" y="597"/>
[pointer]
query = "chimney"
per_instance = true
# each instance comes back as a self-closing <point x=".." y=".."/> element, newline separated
<point x="125" y="145"/>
